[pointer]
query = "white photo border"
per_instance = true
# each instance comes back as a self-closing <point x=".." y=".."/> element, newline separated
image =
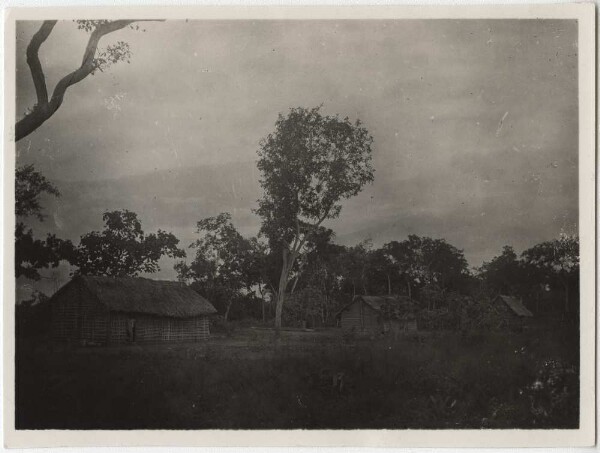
<point x="584" y="13"/>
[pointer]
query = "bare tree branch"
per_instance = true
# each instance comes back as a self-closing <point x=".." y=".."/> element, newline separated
<point x="33" y="60"/>
<point x="44" y="109"/>
<point x="87" y="64"/>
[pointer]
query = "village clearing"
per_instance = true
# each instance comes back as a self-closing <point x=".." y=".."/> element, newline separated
<point x="307" y="379"/>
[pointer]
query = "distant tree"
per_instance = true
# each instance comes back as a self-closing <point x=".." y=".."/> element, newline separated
<point x="308" y="165"/>
<point x="407" y="258"/>
<point x="224" y="267"/>
<point x="503" y="273"/>
<point x="426" y="261"/>
<point x="29" y="187"/>
<point x="382" y="264"/>
<point x="256" y="271"/>
<point x="304" y="306"/>
<point x="556" y="260"/>
<point x="323" y="272"/>
<point x="32" y="254"/>
<point x="93" y="60"/>
<point x="122" y="249"/>
<point x="356" y="266"/>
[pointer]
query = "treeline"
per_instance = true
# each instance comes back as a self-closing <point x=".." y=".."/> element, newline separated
<point x="240" y="276"/>
<point x="294" y="271"/>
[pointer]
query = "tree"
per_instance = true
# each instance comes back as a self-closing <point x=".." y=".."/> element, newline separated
<point x="224" y="264"/>
<point x="556" y="260"/>
<point x="93" y="60"/>
<point x="29" y="186"/>
<point x="33" y="254"/>
<point x="255" y="271"/>
<point x="426" y="261"/>
<point x="356" y="262"/>
<point x="122" y="249"/>
<point x="308" y="165"/>
<point x="502" y="273"/>
<point x="381" y="263"/>
<point x="406" y="258"/>
<point x="323" y="273"/>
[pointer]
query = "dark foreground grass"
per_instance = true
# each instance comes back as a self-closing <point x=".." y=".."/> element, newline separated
<point x="303" y="381"/>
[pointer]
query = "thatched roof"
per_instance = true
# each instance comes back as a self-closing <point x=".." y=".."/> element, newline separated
<point x="516" y="306"/>
<point x="376" y="302"/>
<point x="142" y="295"/>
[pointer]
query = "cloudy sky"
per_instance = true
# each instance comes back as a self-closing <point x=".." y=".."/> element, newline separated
<point x="474" y="123"/>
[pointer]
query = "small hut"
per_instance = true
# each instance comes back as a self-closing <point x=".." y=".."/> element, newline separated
<point x="104" y="310"/>
<point x="376" y="315"/>
<point x="512" y="311"/>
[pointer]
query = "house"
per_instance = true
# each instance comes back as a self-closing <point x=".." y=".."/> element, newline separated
<point x="104" y="310"/>
<point x="376" y="315"/>
<point x="511" y="310"/>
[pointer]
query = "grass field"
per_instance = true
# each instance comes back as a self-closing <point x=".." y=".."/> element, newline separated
<point x="304" y="380"/>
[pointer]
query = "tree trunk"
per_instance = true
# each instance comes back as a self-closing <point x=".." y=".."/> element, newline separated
<point x="566" y="296"/>
<point x="283" y="280"/>
<point x="227" y="310"/>
<point x="362" y="281"/>
<point x="262" y="302"/>
<point x="279" y="305"/>
<point x="295" y="283"/>
<point x="389" y="285"/>
<point x="408" y="288"/>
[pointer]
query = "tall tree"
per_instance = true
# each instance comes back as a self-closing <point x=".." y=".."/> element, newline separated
<point x="122" y="249"/>
<point x="224" y="264"/>
<point x="556" y="260"/>
<point x="93" y="60"/>
<point x="32" y="254"/>
<point x="308" y="166"/>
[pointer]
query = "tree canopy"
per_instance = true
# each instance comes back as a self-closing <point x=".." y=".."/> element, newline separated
<point x="556" y="260"/>
<point x="122" y="249"/>
<point x="225" y="264"/>
<point x="308" y="165"/>
<point x="423" y="260"/>
<point x="32" y="254"/>
<point x="503" y="273"/>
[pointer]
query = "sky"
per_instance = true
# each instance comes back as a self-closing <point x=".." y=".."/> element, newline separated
<point x="474" y="121"/>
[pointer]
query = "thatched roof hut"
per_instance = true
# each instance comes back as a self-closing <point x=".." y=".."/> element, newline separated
<point x="375" y="315"/>
<point x="111" y="310"/>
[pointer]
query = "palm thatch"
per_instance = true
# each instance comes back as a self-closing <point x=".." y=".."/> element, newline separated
<point x="142" y="295"/>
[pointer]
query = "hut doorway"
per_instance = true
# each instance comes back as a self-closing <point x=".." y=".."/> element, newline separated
<point x="131" y="329"/>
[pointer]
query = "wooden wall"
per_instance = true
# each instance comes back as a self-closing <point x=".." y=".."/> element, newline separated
<point x="77" y="317"/>
<point x="157" y="329"/>
<point x="361" y="319"/>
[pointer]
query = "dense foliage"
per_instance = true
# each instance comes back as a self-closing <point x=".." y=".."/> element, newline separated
<point x="225" y="267"/>
<point x="122" y="249"/>
<point x="33" y="254"/>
